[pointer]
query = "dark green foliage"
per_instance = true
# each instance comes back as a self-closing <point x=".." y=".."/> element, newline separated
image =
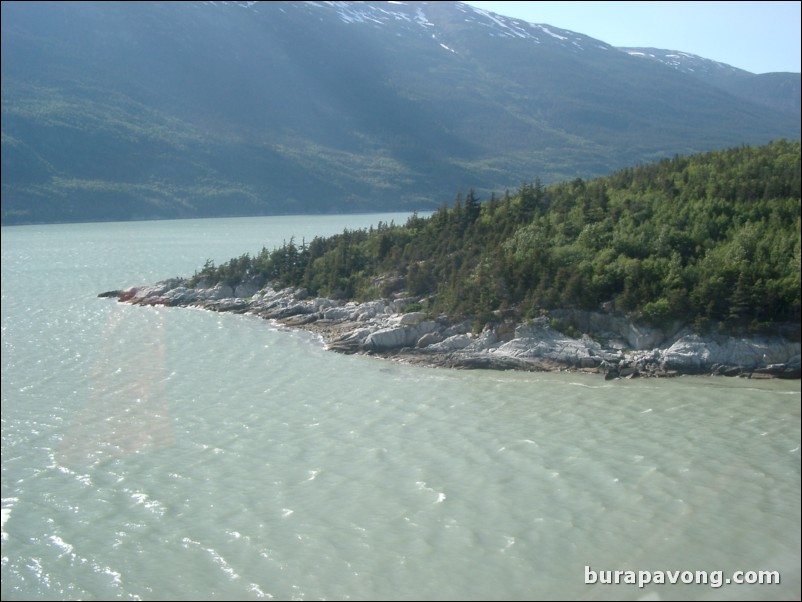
<point x="710" y="237"/>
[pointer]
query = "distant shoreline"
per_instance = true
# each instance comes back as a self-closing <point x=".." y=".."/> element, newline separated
<point x="617" y="348"/>
<point x="421" y="212"/>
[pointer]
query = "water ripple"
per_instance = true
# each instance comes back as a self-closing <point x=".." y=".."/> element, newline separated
<point x="164" y="453"/>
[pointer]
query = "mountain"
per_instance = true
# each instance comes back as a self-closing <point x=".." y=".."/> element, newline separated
<point x="778" y="91"/>
<point x="139" y="110"/>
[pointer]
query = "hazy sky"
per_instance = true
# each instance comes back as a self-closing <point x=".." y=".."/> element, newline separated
<point x="757" y="36"/>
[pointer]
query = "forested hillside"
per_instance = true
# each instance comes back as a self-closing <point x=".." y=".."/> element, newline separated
<point x="711" y="237"/>
<point x="164" y="110"/>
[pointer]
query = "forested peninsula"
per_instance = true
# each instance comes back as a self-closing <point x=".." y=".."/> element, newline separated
<point x="687" y="265"/>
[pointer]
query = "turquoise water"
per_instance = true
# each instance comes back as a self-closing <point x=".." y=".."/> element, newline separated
<point x="164" y="453"/>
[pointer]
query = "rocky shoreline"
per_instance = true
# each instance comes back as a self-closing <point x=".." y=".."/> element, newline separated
<point x="615" y="347"/>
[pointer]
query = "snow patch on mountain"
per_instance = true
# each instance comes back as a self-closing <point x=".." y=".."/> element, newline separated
<point x="420" y="14"/>
<point x="547" y="31"/>
<point x="509" y="26"/>
<point x="682" y="61"/>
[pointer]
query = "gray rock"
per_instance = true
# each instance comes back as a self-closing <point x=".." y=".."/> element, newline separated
<point x="400" y="304"/>
<point x="397" y="337"/>
<point x="338" y="313"/>
<point x="430" y="338"/>
<point x="411" y="319"/>
<point x="690" y="352"/>
<point x="228" y="305"/>
<point x="534" y="345"/>
<point x="369" y="310"/>
<point x="486" y="340"/>
<point x="463" y="327"/>
<point x="488" y="361"/>
<point x="640" y="337"/>
<point x="220" y="291"/>
<point x="627" y="371"/>
<point x="453" y="343"/>
<point x="244" y="291"/>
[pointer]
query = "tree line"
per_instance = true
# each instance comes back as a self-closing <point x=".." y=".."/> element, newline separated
<point x="710" y="237"/>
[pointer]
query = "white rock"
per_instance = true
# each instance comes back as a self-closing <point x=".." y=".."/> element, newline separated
<point x="411" y="319"/>
<point x="453" y="343"/>
<point x="338" y="313"/>
<point x="431" y="338"/>
<point x="398" y="336"/>
<point x="690" y="351"/>
<point x="220" y="291"/>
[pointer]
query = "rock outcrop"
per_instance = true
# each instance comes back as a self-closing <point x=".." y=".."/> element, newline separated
<point x="617" y="349"/>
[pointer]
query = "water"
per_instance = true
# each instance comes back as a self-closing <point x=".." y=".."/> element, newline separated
<point x="161" y="453"/>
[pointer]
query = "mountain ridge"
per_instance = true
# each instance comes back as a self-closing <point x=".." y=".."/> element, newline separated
<point x="780" y="91"/>
<point x="151" y="110"/>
